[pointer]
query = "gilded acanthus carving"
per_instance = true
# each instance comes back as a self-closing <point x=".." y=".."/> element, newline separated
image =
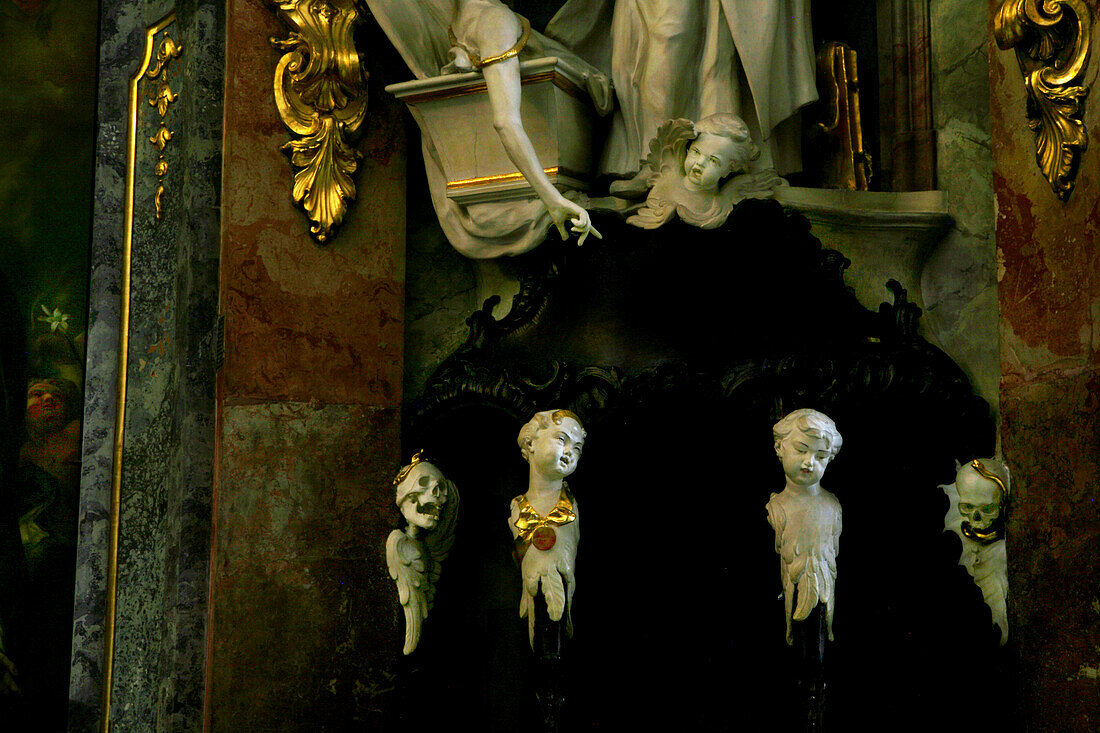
<point x="162" y="98"/>
<point x="1052" y="46"/>
<point x="320" y="90"/>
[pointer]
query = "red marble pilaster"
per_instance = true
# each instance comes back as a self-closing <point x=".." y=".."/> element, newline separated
<point x="1049" y="292"/>
<point x="302" y="625"/>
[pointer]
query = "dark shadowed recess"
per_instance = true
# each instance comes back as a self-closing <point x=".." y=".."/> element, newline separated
<point x="679" y="349"/>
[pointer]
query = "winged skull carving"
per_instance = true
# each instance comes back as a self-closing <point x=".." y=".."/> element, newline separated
<point x="415" y="555"/>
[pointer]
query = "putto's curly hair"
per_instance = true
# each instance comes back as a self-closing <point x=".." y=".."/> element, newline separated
<point x="734" y="129"/>
<point x="811" y="422"/>
<point x="541" y="420"/>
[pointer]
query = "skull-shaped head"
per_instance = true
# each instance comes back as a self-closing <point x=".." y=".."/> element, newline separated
<point x="422" y="491"/>
<point x="983" y="486"/>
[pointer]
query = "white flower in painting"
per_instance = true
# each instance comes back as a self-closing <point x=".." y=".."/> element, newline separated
<point x="58" y="321"/>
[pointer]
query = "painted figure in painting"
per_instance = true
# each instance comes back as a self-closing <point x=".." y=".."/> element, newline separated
<point x="49" y="468"/>
<point x="688" y="173"/>
<point x="806" y="518"/>
<point x="429" y="503"/>
<point x="976" y="513"/>
<point x="46" y="494"/>
<point x="53" y="431"/>
<point x="545" y="521"/>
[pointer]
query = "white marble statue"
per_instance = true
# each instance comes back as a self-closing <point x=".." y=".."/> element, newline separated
<point x="975" y="513"/>
<point x="688" y="173"/>
<point x="690" y="59"/>
<point x="545" y="520"/>
<point x="429" y="502"/>
<point x="806" y="518"/>
<point x="447" y="36"/>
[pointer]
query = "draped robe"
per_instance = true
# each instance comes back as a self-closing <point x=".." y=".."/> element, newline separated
<point x="693" y="58"/>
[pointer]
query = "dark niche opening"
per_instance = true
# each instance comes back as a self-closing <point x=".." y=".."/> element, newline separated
<point x="679" y="349"/>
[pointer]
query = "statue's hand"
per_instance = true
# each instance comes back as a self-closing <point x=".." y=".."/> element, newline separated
<point x="8" y="673"/>
<point x="567" y="211"/>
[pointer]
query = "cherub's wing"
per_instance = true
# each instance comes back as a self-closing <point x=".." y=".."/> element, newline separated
<point x="549" y="577"/>
<point x="777" y="518"/>
<point x="838" y="528"/>
<point x="991" y="576"/>
<point x="440" y="540"/>
<point x="992" y="579"/>
<point x="553" y="588"/>
<point x="814" y="585"/>
<point x="653" y="214"/>
<point x="759" y="185"/>
<point x="668" y="145"/>
<point x="408" y="563"/>
<point x="952" y="521"/>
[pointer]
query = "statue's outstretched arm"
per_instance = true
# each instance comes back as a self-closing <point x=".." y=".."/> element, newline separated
<point x="503" y="82"/>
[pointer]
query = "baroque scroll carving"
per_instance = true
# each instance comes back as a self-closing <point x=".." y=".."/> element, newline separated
<point x="1053" y="49"/>
<point x="320" y="91"/>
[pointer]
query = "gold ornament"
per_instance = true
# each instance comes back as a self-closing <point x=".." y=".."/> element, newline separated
<point x="529" y="520"/>
<point x="408" y="469"/>
<point x="1052" y="47"/>
<point x="162" y="99"/>
<point x="320" y="92"/>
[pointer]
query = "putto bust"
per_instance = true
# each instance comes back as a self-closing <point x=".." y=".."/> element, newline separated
<point x="415" y="555"/>
<point x="545" y="521"/>
<point x="806" y="518"/>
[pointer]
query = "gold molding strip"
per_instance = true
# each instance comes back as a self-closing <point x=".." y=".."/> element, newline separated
<point x="123" y="359"/>
<point x="500" y="178"/>
<point x="1052" y="48"/>
<point x="554" y="77"/>
<point x="320" y="92"/>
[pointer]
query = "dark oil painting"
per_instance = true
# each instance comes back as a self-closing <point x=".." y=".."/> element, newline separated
<point x="47" y="121"/>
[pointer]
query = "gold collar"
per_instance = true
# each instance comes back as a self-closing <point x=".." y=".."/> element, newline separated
<point x="529" y="520"/>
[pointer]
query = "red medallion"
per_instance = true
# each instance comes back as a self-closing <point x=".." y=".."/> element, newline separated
<point x="544" y="538"/>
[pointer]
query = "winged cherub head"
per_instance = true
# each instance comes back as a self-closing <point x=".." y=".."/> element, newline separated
<point x="723" y="146"/>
